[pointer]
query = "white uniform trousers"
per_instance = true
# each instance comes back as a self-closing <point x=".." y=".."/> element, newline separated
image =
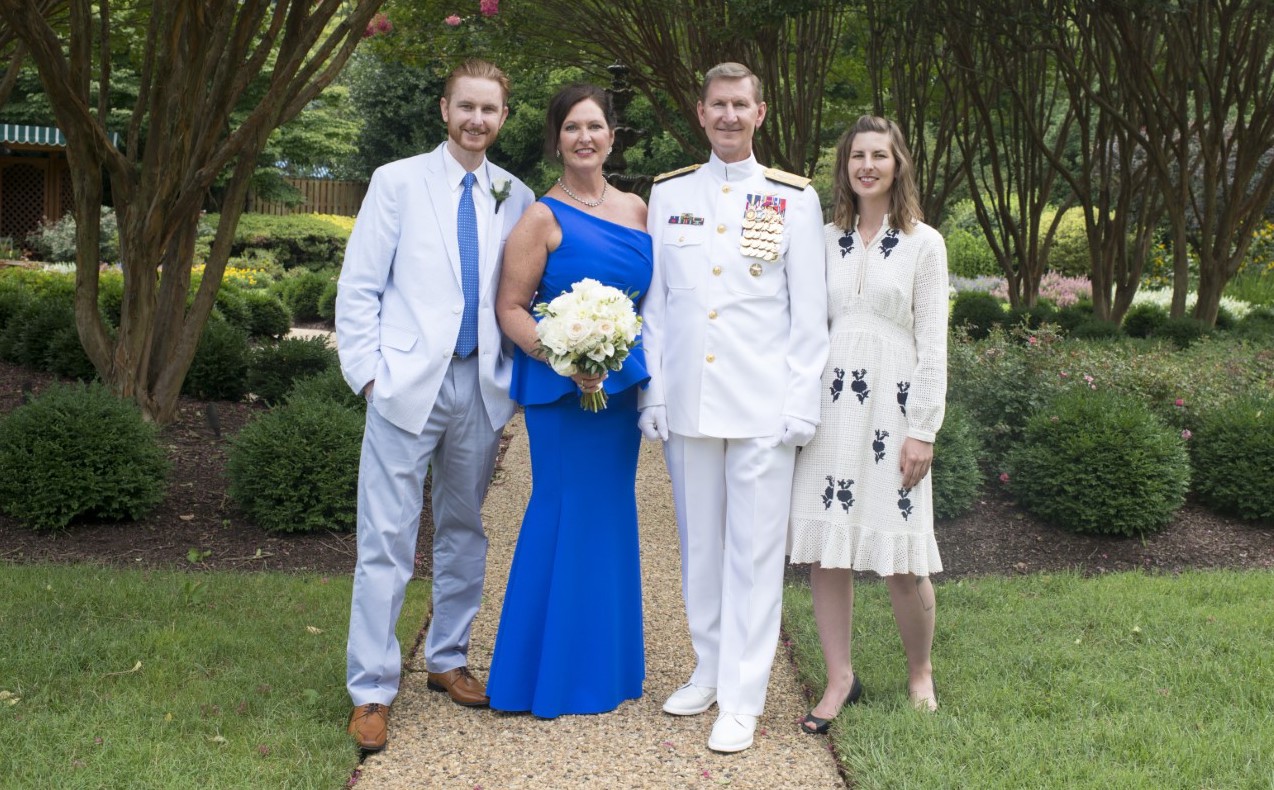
<point x="461" y="445"/>
<point x="732" y="498"/>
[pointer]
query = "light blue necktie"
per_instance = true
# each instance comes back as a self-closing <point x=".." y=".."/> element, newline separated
<point x="467" y="236"/>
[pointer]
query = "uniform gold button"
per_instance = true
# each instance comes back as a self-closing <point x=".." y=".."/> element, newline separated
<point x="716" y="270"/>
<point x="712" y="314"/>
<point x="726" y="189"/>
<point x="710" y="358"/>
<point x="721" y="229"/>
<point x="681" y="239"/>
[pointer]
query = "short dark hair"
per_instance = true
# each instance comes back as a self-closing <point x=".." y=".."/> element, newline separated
<point x="560" y="106"/>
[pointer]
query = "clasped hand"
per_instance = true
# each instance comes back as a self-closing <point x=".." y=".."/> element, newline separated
<point x="588" y="382"/>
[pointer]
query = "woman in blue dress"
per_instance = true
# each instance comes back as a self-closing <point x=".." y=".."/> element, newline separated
<point x="570" y="636"/>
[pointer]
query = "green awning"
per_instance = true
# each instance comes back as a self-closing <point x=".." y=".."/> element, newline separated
<point x="22" y="134"/>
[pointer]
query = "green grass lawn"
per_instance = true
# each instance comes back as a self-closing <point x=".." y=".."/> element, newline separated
<point x="145" y="679"/>
<point x="1120" y="681"/>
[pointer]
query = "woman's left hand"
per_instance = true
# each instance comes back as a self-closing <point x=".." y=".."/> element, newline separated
<point x="914" y="461"/>
<point x="588" y="382"/>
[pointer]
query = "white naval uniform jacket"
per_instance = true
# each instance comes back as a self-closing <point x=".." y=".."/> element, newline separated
<point x="732" y="350"/>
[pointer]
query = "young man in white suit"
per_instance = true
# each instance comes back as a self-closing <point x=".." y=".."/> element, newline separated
<point x="735" y="335"/>
<point x="417" y="336"/>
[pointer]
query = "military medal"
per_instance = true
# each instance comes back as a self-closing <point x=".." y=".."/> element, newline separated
<point x="762" y="229"/>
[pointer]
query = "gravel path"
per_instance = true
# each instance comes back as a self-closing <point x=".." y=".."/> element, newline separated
<point x="436" y="744"/>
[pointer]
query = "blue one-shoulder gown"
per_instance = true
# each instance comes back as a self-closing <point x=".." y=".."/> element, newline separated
<point x="570" y="637"/>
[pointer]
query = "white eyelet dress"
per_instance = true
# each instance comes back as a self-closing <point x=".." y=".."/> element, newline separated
<point x="885" y="380"/>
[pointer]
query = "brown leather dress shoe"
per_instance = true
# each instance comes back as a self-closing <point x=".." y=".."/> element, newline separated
<point x="461" y="686"/>
<point x="369" y="724"/>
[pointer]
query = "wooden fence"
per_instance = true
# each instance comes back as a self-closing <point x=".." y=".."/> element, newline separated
<point x="319" y="196"/>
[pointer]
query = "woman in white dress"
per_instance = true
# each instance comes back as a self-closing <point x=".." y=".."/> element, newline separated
<point x="862" y="498"/>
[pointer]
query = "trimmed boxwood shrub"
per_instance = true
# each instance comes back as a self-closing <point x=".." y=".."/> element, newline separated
<point x="1182" y="331"/>
<point x="295" y="468"/>
<point x="78" y="451"/>
<point x="1100" y="462"/>
<point x="327" y="302"/>
<point x="233" y="307"/>
<point x="274" y="368"/>
<point x="957" y="478"/>
<point x="328" y="385"/>
<point x="220" y="368"/>
<point x="1257" y="325"/>
<point x="1096" y="329"/>
<point x="1143" y="320"/>
<point x="980" y="312"/>
<point x="300" y="292"/>
<point x="33" y="329"/>
<point x="1073" y="315"/>
<point x="292" y="239"/>
<point x="1035" y="316"/>
<point x="267" y="316"/>
<point x="1233" y="454"/>
<point x="66" y="357"/>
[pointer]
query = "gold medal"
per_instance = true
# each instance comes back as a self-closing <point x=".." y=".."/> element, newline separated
<point x="755" y="270"/>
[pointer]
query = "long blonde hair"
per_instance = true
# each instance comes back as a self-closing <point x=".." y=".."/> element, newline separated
<point x="904" y="197"/>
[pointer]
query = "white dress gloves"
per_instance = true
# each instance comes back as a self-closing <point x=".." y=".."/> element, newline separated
<point x="794" y="433"/>
<point x="653" y="423"/>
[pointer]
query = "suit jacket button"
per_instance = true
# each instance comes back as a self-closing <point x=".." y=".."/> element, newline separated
<point x="458" y="309"/>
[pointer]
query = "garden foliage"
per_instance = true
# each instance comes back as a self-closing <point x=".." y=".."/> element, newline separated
<point x="295" y="468"/>
<point x="219" y="370"/>
<point x="1233" y="454"/>
<point x="294" y="240"/>
<point x="328" y="385"/>
<point x="1096" y="461"/>
<point x="275" y="367"/>
<point x="978" y="312"/>
<point x="957" y="478"/>
<point x="77" y="450"/>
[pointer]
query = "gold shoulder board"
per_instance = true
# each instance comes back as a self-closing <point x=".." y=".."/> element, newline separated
<point x="674" y="173"/>
<point x="784" y="177"/>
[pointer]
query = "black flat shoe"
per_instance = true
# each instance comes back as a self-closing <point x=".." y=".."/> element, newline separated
<point x="821" y="725"/>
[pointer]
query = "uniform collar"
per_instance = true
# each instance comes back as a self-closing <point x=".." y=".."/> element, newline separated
<point x="734" y="171"/>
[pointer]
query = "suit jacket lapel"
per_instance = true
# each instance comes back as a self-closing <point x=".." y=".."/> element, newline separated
<point x="439" y="192"/>
<point x="490" y="246"/>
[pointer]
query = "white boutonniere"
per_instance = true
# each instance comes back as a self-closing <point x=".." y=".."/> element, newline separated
<point x="500" y="191"/>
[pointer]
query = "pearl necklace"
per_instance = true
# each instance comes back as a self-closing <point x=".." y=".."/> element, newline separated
<point x="589" y="203"/>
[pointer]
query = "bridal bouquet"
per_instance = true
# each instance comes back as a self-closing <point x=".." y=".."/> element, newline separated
<point x="588" y="329"/>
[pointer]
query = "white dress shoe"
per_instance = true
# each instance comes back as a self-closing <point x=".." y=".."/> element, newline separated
<point x="732" y="732"/>
<point x="690" y="699"/>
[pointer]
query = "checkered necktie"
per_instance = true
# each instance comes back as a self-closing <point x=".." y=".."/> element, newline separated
<point x="467" y="236"/>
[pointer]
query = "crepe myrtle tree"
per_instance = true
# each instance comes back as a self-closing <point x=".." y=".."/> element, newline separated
<point x="216" y="79"/>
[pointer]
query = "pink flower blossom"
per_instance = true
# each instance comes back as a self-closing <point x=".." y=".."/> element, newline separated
<point x="453" y="20"/>
<point x="489" y="7"/>
<point x="1185" y="434"/>
<point x="1179" y="402"/>
<point x="1063" y="374"/>
<point x="1088" y="378"/>
<point x="379" y="25"/>
<point x="1004" y="477"/>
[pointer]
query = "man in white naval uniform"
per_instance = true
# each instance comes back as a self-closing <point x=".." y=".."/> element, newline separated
<point x="417" y="335"/>
<point x="735" y="332"/>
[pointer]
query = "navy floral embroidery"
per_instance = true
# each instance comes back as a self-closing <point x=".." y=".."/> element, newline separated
<point x="903" y="388"/>
<point x="859" y="385"/>
<point x="878" y="446"/>
<point x="838" y="386"/>
<point x="904" y="502"/>
<point x="844" y="495"/>
<point x="846" y="244"/>
<point x="838" y="491"/>
<point x="890" y="241"/>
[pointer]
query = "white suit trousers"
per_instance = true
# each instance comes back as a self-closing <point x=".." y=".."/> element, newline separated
<point x="732" y="498"/>
<point x="461" y="446"/>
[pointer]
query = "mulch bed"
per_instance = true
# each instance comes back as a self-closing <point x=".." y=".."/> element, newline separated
<point x="996" y="537"/>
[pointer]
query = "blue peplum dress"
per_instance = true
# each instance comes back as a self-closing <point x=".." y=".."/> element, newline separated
<point x="570" y="637"/>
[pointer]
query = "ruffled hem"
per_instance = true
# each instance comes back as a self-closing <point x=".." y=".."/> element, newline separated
<point x="535" y="383"/>
<point x="841" y="546"/>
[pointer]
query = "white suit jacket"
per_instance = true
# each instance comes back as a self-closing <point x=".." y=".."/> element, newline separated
<point x="399" y="299"/>
<point x="733" y="342"/>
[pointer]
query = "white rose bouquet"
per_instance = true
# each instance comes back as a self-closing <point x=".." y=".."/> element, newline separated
<point x="588" y="329"/>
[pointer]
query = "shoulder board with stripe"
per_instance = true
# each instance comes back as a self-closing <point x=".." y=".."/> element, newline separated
<point x="674" y="173"/>
<point x="784" y="177"/>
